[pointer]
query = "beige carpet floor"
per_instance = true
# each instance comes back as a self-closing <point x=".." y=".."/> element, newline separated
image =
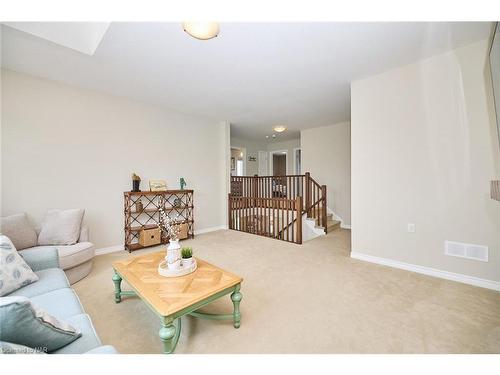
<point x="305" y="299"/>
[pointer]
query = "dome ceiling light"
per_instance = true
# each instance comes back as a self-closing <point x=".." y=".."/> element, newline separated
<point x="279" y="128"/>
<point x="201" y="30"/>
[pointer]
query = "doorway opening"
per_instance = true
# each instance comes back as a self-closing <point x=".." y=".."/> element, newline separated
<point x="279" y="162"/>
<point x="238" y="167"/>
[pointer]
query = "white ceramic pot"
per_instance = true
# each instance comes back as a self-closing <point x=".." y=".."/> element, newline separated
<point x="187" y="262"/>
<point x="173" y="257"/>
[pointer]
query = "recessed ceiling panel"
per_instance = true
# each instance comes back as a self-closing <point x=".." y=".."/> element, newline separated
<point x="80" y="36"/>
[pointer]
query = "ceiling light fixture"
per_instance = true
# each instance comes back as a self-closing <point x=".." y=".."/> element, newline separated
<point x="201" y="30"/>
<point x="279" y="128"/>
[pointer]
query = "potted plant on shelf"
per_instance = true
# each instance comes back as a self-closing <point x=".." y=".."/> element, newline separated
<point x="136" y="181"/>
<point x="187" y="256"/>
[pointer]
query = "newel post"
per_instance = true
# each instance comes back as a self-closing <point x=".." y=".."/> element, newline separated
<point x="229" y="212"/>
<point x="255" y="188"/>
<point x="308" y="193"/>
<point x="298" y="209"/>
<point x="323" y="207"/>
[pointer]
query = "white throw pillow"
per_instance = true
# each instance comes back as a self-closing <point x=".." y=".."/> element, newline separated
<point x="61" y="227"/>
<point x="14" y="272"/>
<point x="19" y="230"/>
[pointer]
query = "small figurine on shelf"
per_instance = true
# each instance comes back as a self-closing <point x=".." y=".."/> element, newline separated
<point x="182" y="182"/>
<point x="136" y="181"/>
<point x="138" y="206"/>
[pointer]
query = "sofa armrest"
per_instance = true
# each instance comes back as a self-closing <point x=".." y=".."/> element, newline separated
<point x="105" y="349"/>
<point x="39" y="259"/>
<point x="84" y="234"/>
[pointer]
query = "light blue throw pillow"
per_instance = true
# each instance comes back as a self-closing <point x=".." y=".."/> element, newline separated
<point x="24" y="324"/>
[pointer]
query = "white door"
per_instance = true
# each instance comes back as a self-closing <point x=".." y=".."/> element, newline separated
<point x="263" y="163"/>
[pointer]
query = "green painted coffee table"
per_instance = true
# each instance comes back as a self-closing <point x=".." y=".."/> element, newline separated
<point x="172" y="298"/>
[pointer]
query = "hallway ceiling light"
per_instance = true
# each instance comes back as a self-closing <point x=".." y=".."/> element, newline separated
<point x="279" y="128"/>
<point x="201" y="30"/>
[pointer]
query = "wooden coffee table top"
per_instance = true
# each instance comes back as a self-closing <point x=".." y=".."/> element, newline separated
<point x="168" y="295"/>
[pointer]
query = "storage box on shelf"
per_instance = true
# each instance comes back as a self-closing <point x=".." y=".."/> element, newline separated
<point x="178" y="204"/>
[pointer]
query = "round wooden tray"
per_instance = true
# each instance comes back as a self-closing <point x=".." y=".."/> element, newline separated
<point x="164" y="271"/>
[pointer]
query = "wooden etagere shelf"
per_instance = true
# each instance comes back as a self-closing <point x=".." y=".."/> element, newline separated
<point x="178" y="204"/>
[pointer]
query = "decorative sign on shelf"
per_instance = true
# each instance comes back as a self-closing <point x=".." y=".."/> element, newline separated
<point x="157" y="185"/>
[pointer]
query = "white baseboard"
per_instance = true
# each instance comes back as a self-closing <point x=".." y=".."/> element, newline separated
<point x="345" y="226"/>
<point x="110" y="249"/>
<point x="211" y="229"/>
<point x="116" y="248"/>
<point x="461" y="278"/>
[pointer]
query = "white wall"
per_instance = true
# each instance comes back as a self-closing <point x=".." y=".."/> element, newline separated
<point x="66" y="147"/>
<point x="285" y="146"/>
<point x="326" y="154"/>
<point x="252" y="149"/>
<point x="424" y="149"/>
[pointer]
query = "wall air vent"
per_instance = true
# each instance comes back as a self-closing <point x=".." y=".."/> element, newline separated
<point x="465" y="250"/>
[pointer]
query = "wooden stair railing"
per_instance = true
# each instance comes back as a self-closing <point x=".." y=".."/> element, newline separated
<point x="316" y="201"/>
<point x="272" y="205"/>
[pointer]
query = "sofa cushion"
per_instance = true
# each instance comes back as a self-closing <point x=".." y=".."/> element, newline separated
<point x="62" y="303"/>
<point x="89" y="339"/>
<point x="48" y="280"/>
<point x="26" y="324"/>
<point x="61" y="227"/>
<point x="41" y="260"/>
<point x="14" y="272"/>
<point x="71" y="255"/>
<point x="20" y="231"/>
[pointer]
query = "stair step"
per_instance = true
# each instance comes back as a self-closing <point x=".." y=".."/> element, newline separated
<point x="329" y="217"/>
<point x="330" y="225"/>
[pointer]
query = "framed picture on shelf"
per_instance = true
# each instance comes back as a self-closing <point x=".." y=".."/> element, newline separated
<point x="157" y="185"/>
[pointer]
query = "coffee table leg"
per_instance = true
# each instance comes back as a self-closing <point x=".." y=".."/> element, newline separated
<point x="236" y="297"/>
<point x="169" y="335"/>
<point x="118" y="290"/>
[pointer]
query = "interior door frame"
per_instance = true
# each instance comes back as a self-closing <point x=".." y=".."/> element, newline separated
<point x="295" y="160"/>
<point x="259" y="153"/>
<point x="244" y="151"/>
<point x="281" y="152"/>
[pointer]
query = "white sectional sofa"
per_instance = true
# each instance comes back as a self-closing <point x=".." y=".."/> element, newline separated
<point x="75" y="259"/>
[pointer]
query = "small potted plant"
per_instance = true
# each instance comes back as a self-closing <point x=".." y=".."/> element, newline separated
<point x="187" y="256"/>
<point x="136" y="181"/>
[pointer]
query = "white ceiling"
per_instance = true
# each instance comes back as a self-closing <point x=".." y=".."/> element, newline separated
<point x="254" y="75"/>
